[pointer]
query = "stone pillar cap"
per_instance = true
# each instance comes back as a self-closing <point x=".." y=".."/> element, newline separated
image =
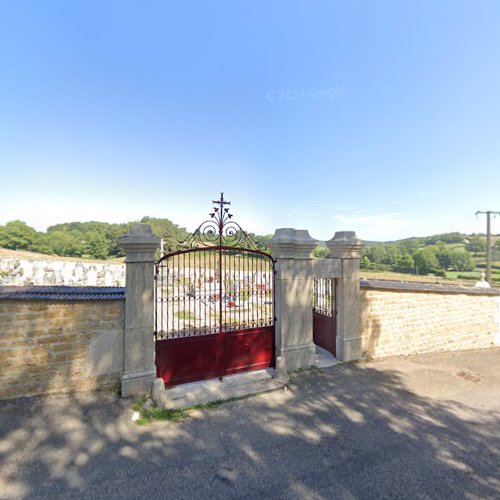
<point x="345" y="244"/>
<point x="290" y="243"/>
<point x="139" y="233"/>
<point x="140" y="243"/>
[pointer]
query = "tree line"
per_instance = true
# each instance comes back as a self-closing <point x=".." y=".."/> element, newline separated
<point x="98" y="240"/>
<point x="423" y="255"/>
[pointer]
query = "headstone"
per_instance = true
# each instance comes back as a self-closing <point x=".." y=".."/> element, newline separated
<point x="38" y="275"/>
<point x="49" y="277"/>
<point x="78" y="273"/>
<point x="108" y="277"/>
<point x="91" y="277"/>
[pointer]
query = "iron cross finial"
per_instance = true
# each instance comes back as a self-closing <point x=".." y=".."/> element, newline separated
<point x="221" y="202"/>
<point x="219" y="208"/>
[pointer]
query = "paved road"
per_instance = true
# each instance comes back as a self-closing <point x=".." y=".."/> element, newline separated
<point x="420" y="427"/>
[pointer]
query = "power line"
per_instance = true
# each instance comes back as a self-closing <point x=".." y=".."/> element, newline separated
<point x="488" y="214"/>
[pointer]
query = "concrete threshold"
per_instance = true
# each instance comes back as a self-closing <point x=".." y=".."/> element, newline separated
<point x="324" y="358"/>
<point x="231" y="386"/>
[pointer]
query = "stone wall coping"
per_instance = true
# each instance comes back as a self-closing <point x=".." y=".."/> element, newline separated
<point x="62" y="293"/>
<point x="405" y="286"/>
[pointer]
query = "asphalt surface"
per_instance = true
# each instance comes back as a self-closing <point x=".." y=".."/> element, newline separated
<point x="421" y="427"/>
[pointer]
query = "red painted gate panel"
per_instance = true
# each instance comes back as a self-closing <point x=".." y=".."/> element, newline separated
<point x="324" y="332"/>
<point x="186" y="359"/>
<point x="214" y="304"/>
<point x="195" y="358"/>
<point x="324" y="321"/>
<point x="249" y="350"/>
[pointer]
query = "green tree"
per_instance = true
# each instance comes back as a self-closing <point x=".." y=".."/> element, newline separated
<point x="321" y="252"/>
<point x="261" y="241"/>
<point x="365" y="263"/>
<point x="97" y="245"/>
<point x="83" y="231"/>
<point x="69" y="244"/>
<point x="17" y="235"/>
<point x="411" y="244"/>
<point x="405" y="264"/>
<point x="171" y="233"/>
<point x="425" y="261"/>
<point x="462" y="261"/>
<point x="113" y="233"/>
<point x="392" y="254"/>
<point x="445" y="257"/>
<point x="42" y="244"/>
<point x="455" y="260"/>
<point x="476" y="244"/>
<point x="376" y="253"/>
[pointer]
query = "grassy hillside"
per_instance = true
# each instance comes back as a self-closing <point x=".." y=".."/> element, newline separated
<point x="5" y="253"/>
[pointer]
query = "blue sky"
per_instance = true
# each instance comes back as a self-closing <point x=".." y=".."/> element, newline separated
<point x="380" y="117"/>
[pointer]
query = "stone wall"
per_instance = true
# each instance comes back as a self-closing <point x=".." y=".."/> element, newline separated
<point x="410" y="318"/>
<point x="59" y="346"/>
<point x="60" y="339"/>
<point x="22" y="272"/>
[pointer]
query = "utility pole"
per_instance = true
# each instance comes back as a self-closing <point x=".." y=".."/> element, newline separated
<point x="488" y="213"/>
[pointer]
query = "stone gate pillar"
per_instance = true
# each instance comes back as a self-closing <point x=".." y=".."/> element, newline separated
<point x="346" y="246"/>
<point x="292" y="248"/>
<point x="140" y="245"/>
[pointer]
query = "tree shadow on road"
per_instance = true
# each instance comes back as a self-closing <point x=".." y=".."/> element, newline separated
<point x="353" y="431"/>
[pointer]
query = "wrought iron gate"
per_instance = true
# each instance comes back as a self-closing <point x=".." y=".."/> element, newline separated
<point x="214" y="311"/>
<point x="324" y="321"/>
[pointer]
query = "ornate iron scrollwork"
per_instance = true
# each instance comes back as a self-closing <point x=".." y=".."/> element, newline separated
<point x="219" y="230"/>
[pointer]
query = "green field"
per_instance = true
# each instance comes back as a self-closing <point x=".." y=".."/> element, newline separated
<point x="452" y="277"/>
<point x="389" y="275"/>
